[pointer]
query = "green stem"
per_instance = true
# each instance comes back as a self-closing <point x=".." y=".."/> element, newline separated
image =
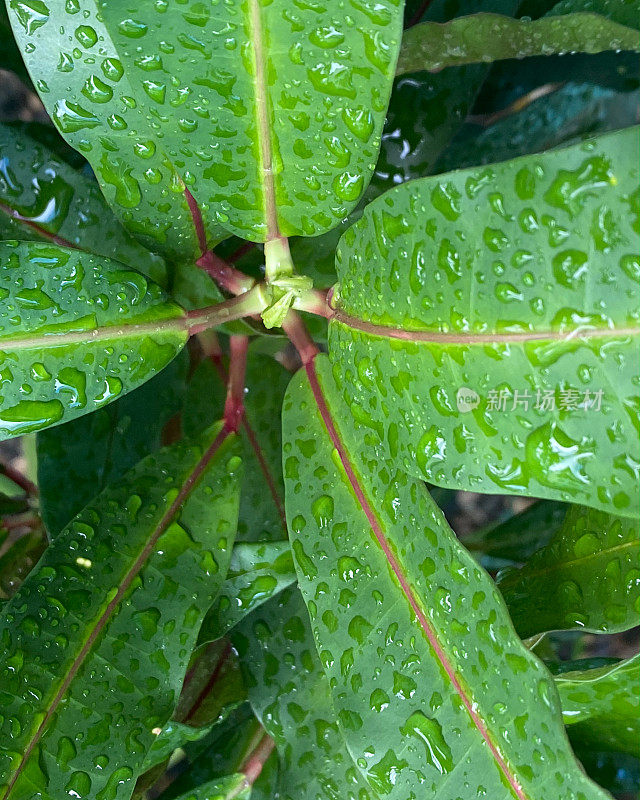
<point x="245" y="305"/>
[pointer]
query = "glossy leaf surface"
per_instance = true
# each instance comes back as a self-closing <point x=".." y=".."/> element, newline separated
<point x="431" y="685"/>
<point x="90" y="452"/>
<point x="233" y="786"/>
<point x="77" y="69"/>
<point x="482" y="38"/>
<point x="10" y="57"/>
<point x="107" y="622"/>
<point x="459" y="291"/>
<point x="226" y="101"/>
<point x="42" y="197"/>
<point x="290" y="694"/>
<point x="75" y="333"/>
<point x="257" y="573"/>
<point x="520" y="536"/>
<point x="236" y="747"/>
<point x="261" y="505"/>
<point x="602" y="706"/>
<point x="587" y="577"/>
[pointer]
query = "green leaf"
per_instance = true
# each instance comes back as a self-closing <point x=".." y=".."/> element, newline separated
<point x="624" y="12"/>
<point x="612" y="690"/>
<point x="213" y="687"/>
<point x="520" y="536"/>
<point x="107" y="622"/>
<point x="568" y="114"/>
<point x="77" y="69"/>
<point x="18" y="560"/>
<point x="257" y="573"/>
<point x="42" y="197"/>
<point x="231" y="787"/>
<point x="434" y="691"/>
<point x="587" y="577"/>
<point x="10" y="58"/>
<point x="76" y="333"/>
<point x="261" y="504"/>
<point x="602" y="706"/>
<point x="482" y="38"/>
<point x="245" y="78"/>
<point x="171" y="737"/>
<point x="239" y="746"/>
<point x="458" y="291"/>
<point x="90" y="452"/>
<point x="290" y="694"/>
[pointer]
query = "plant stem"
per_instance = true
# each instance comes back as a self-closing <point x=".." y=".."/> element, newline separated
<point x="255" y="761"/>
<point x="234" y="405"/>
<point x="245" y="305"/>
<point x="18" y="478"/>
<point x="315" y="302"/>
<point x="297" y="332"/>
<point x="421" y="11"/>
<point x="245" y="248"/>
<point x="277" y="259"/>
<point x="226" y="276"/>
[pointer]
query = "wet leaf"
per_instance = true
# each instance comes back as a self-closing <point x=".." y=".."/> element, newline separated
<point x="170" y="738"/>
<point x="290" y="694"/>
<point x="231" y="786"/>
<point x="237" y="749"/>
<point x="18" y="559"/>
<point x="482" y="38"/>
<point x="257" y="573"/>
<point x="76" y="332"/>
<point x="213" y="687"/>
<point x="90" y="452"/>
<point x="107" y="622"/>
<point x="243" y="75"/>
<point x="520" y="536"/>
<point x="430" y="683"/>
<point x="459" y="291"/>
<point x="10" y="58"/>
<point x="564" y="116"/>
<point x="601" y="706"/>
<point x="587" y="577"/>
<point x="42" y="197"/>
<point x="261" y="504"/>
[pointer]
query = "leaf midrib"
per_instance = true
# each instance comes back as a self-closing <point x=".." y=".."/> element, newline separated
<point x="394" y="564"/>
<point x="262" y="119"/>
<point x="52" y="237"/>
<point x="437" y="337"/>
<point x="46" y="340"/>
<point x="521" y="574"/>
<point x="106" y="615"/>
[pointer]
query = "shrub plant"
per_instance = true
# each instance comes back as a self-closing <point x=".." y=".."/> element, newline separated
<point x="285" y="276"/>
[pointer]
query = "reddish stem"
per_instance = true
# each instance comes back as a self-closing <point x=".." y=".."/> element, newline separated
<point x="198" y="222"/>
<point x="295" y="329"/>
<point x="209" y="684"/>
<point x="255" y="444"/>
<point x="245" y="248"/>
<point x="419" y="13"/>
<point x="230" y="279"/>
<point x="15" y="523"/>
<point x="18" y="478"/>
<point x="255" y="761"/>
<point x="234" y="405"/>
<point x="11" y="212"/>
<point x="316" y="302"/>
